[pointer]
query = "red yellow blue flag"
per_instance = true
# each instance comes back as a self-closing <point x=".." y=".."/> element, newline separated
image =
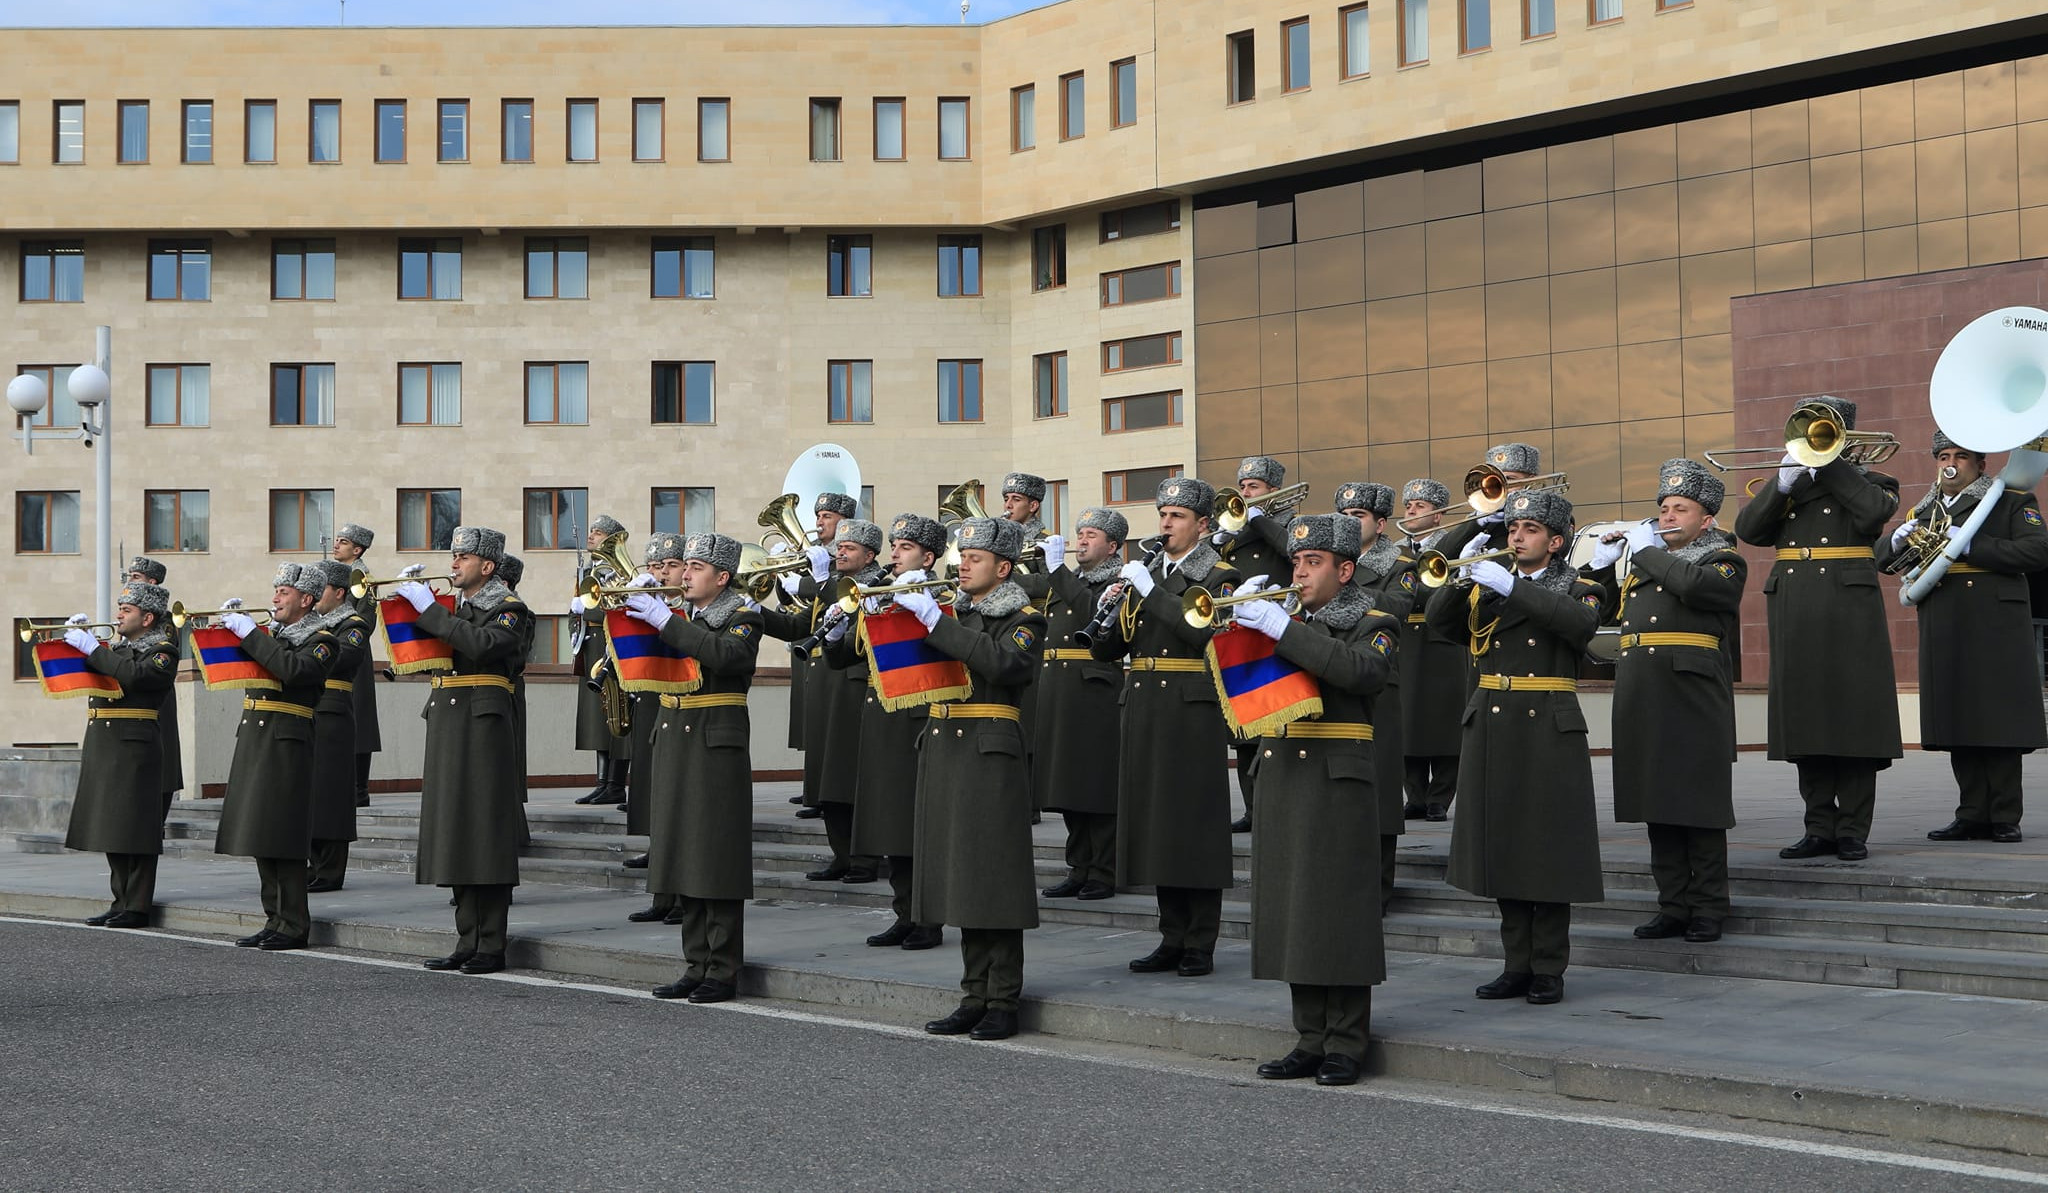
<point x="64" y="673"/>
<point x="412" y="648"/>
<point x="224" y="665"/>
<point x="643" y="662"/>
<point x="1259" y="690"/>
<point x="904" y="668"/>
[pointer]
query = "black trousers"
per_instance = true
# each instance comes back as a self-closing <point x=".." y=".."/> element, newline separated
<point x="992" y="967"/>
<point x="839" y="833"/>
<point x="329" y="861"/>
<point x="133" y="877"/>
<point x="1535" y="937"/>
<point x="1431" y="780"/>
<point x="1190" y="917"/>
<point x="480" y="916"/>
<point x="1332" y="1019"/>
<point x="902" y="870"/>
<point x="1091" y="846"/>
<point x="1691" y="869"/>
<point x="283" y="882"/>
<point x="1246" y="752"/>
<point x="714" y="938"/>
<point x="363" y="776"/>
<point x="1840" y="795"/>
<point x="1989" y="780"/>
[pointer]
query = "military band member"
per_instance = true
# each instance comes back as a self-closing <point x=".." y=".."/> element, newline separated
<point x="1387" y="578"/>
<point x="1526" y="834"/>
<point x="1078" y="728"/>
<point x="119" y="768"/>
<point x="471" y="824"/>
<point x="1980" y="686"/>
<point x="1516" y="462"/>
<point x="1834" y="711"/>
<point x="144" y="570"/>
<point x="973" y="819"/>
<point x="1679" y="612"/>
<point x="593" y="731"/>
<point x="1023" y="497"/>
<point x="1256" y="549"/>
<point x="656" y="570"/>
<point x="798" y="619"/>
<point x="1433" y="668"/>
<point x="512" y="571"/>
<point x="1316" y="893"/>
<point x="267" y="814"/>
<point x="1173" y="802"/>
<point x="333" y="818"/>
<point x="885" y="784"/>
<point x="351" y="542"/>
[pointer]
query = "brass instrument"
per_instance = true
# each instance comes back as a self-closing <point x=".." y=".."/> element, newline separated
<point x="43" y="631"/>
<point x="1201" y="610"/>
<point x="1487" y="487"/>
<point x="785" y="526"/>
<point x="1435" y="569"/>
<point x="608" y="570"/>
<point x="366" y="586"/>
<point x="847" y="595"/>
<point x="1232" y="506"/>
<point x="1922" y="543"/>
<point x="1815" y="437"/>
<point x="181" y="616"/>
<point x="759" y="574"/>
<point x="598" y="595"/>
<point x="958" y="505"/>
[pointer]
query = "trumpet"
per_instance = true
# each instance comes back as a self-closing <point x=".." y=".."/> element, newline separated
<point x="597" y="594"/>
<point x="1487" y="487"/>
<point x="1201" y="610"/>
<point x="1232" y="506"/>
<point x="1815" y="437"/>
<point x="848" y="595"/>
<point x="181" y="616"/>
<point x="367" y="586"/>
<point x="43" y="631"/>
<point x="1435" y="569"/>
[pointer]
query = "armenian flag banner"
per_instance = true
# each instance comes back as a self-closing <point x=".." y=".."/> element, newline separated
<point x="643" y="662"/>
<point x="903" y="667"/>
<point x="224" y="665"/>
<point x="412" y="648"/>
<point x="1259" y="690"/>
<point x="64" y="674"/>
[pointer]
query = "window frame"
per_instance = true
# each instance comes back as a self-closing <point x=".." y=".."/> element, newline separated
<point x="1529" y="32"/>
<point x="682" y="246"/>
<point x="180" y="246"/>
<point x="1287" y="56"/>
<point x="839" y="251"/>
<point x="177" y="497"/>
<point x="682" y="506"/>
<point x="1051" y="233"/>
<point x="432" y="251"/>
<point x="962" y="368"/>
<point x="304" y="251"/>
<point x="1118" y="215"/>
<point x="682" y="372"/>
<point x="1124" y="475"/>
<point x="1240" y="68"/>
<point x="962" y="245"/>
<point x="555" y="392"/>
<point x="185" y="157"/>
<point x="13" y="106"/>
<point x="966" y="153"/>
<point x="50" y="250"/>
<point x="724" y="104"/>
<point x="1401" y="33"/>
<point x="1017" y="122"/>
<point x="505" y="127"/>
<point x="1465" y="45"/>
<point x="1176" y="404"/>
<point x="1664" y="6"/>
<point x="427" y="368"/>
<point x="1178" y="355"/>
<point x="177" y="370"/>
<point x="660" y="107"/>
<point x="835" y="369"/>
<point x="1344" y="71"/>
<point x="1118" y="117"/>
<point x="826" y="105"/>
<point x="298" y="369"/>
<point x="122" y="108"/>
<point x="569" y="107"/>
<point x="1594" y="19"/>
<point x="556" y="503"/>
<point x="249" y="107"/>
<point x="1054" y="365"/>
<point x="313" y="107"/>
<point x="1175" y="277"/>
<point x="47" y="417"/>
<point x="270" y="519"/>
<point x="441" y="107"/>
<point x="902" y="106"/>
<point x="50" y="505"/>
<point x="1070" y="111"/>
<point x="378" y="108"/>
<point x="428" y="497"/>
<point x="554" y="253"/>
<point x="57" y="107"/>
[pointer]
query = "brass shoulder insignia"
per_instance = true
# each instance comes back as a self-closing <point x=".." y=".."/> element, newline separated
<point x="509" y="620"/>
<point x="1024" y="637"/>
<point x="1725" y="570"/>
<point x="2030" y="516"/>
<point x="1590" y="600"/>
<point x="1407" y="581"/>
<point x="1032" y="609"/>
<point x="322" y="651"/>
<point x="1382" y="641"/>
<point x="163" y="660"/>
<point x="742" y="630"/>
<point x="353" y="637"/>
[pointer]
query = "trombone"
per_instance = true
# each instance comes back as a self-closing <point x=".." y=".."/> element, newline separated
<point x="1815" y="437"/>
<point x="368" y="586"/>
<point x="181" y="616"/>
<point x="1435" y="569"/>
<point x="1487" y="487"/>
<point x="1201" y="610"/>
<point x="1232" y="506"/>
<point x="44" y="631"/>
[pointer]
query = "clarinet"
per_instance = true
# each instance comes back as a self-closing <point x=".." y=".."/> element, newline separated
<point x="1111" y="602"/>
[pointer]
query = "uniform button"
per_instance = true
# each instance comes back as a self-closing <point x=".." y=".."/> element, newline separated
<point x="1793" y="514"/>
<point x="1660" y="588"/>
<point x="259" y="723"/>
<point x="1827" y="509"/>
<point x="1653" y="619"/>
<point x="1532" y="641"/>
<point x="687" y="728"/>
<point x="959" y="733"/>
<point x="1532" y="714"/>
<point x="1304" y="753"/>
<point x="1496" y="708"/>
<point x="1162" y="683"/>
<point x="1823" y="571"/>
<point x="1269" y="753"/>
<point x="1651" y="649"/>
<point x="1969" y="584"/>
<point x="1625" y="625"/>
<point x="1789" y="571"/>
<point x="935" y="733"/>
<point x="1823" y="540"/>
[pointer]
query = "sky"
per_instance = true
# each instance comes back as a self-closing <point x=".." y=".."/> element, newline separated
<point x="15" y="13"/>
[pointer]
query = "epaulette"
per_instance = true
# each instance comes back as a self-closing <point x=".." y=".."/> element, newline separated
<point x="1031" y="608"/>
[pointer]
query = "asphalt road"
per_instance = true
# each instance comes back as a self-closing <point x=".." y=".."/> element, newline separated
<point x="142" y="1062"/>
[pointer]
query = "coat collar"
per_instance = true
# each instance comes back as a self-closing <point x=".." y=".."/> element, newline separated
<point x="1346" y="609"/>
<point x="1379" y="559"/>
<point x="489" y="597"/>
<point x="1001" y="601"/>
<point x="1195" y="565"/>
<point x="721" y="610"/>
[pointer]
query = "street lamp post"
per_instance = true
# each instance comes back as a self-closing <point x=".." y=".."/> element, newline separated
<point x="91" y="389"/>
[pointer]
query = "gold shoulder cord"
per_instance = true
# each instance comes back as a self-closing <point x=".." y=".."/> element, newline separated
<point x="1482" y="635"/>
<point x="1127" y="615"/>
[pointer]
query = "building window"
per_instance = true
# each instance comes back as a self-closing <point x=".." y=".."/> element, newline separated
<point x="302" y="269"/>
<point x="680" y="511"/>
<point x="824" y="130"/>
<point x="61" y="410"/>
<point x="1148" y="283"/>
<point x="1049" y="257"/>
<point x="1241" y="62"/>
<point x="390" y="140"/>
<point x="198" y="122"/>
<point x="1355" y="40"/>
<point x="959" y="267"/>
<point x="1600" y="12"/>
<point x="301" y="519"/>
<point x="430" y="269"/>
<point x="889" y="130"/>
<point x="1123" y="93"/>
<point x="555" y="518"/>
<point x="323" y="136"/>
<point x="1141" y="412"/>
<point x="959" y="391"/>
<point x="1414" y="32"/>
<point x="179" y="395"/>
<point x="133" y="147"/>
<point x="430" y="395"/>
<point x="1539" y="19"/>
<point x="851" y="391"/>
<point x="180" y="270"/>
<point x="550" y="643"/>
<point x="1141" y="352"/>
<point x="1294" y="55"/>
<point x="1672" y="5"/>
<point x="1135" y="484"/>
<point x="53" y="271"/>
<point x="175" y="519"/>
<point x="10" y="132"/>
<point x="302" y="395"/>
<point x="454" y="131"/>
<point x="67" y="145"/>
<point x="1049" y="385"/>
<point x="864" y="503"/>
<point x="517" y="116"/>
<point x="582" y="130"/>
<point x="1475" y="26"/>
<point x="557" y="267"/>
<point x="848" y="261"/>
<point x="46" y="523"/>
<point x="956" y="142"/>
<point x="1053" y="512"/>
<point x="1149" y="219"/>
<point x="1023" y="118"/>
<point x="683" y="392"/>
<point x="683" y="266"/>
<point x="647" y="130"/>
<point x="714" y="128"/>
<point x="427" y="518"/>
<point x="1073" y="106"/>
<point x="558" y="392"/>
<point x="259" y="131"/>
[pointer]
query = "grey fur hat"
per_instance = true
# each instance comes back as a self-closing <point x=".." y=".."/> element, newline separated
<point x="308" y="578"/>
<point x="1109" y="522"/>
<point x="665" y="547"/>
<point x="1339" y="534"/>
<point x="861" y="532"/>
<point x="480" y="541"/>
<point x="362" y="536"/>
<point x="333" y="572"/>
<point x="1515" y="457"/>
<point x="1425" y="488"/>
<point x="1686" y="478"/>
<point x="916" y="528"/>
<point x="835" y="503"/>
<point x="511" y="570"/>
<point x="720" y="551"/>
<point x="1941" y="444"/>
<point x="155" y="571"/>
<point x="1262" y="468"/>
<point x="1553" y="510"/>
<point x="1193" y="494"/>
<point x="605" y="524"/>
<point x="1031" y="488"/>
<point x="1369" y="496"/>
<point x="150" y="598"/>
<point x="1842" y="406"/>
<point x="998" y="536"/>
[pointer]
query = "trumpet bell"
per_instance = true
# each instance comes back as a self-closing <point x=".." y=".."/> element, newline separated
<point x="29" y="631"/>
<point x="1203" y="610"/>
<point x="1233" y="506"/>
<point x="785" y="525"/>
<point x="1989" y="389"/>
<point x="1435" y="569"/>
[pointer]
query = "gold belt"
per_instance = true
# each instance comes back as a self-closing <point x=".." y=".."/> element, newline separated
<point x="1067" y="654"/>
<point x="296" y="710"/>
<point x="1341" y="730"/>
<point x="1825" y="553"/>
<point x="985" y="712"/>
<point x="1147" y="663"/>
<point x="120" y="714"/>
<point x="1703" y="641"/>
<point x="473" y="681"/>
<point x="712" y="700"/>
<point x="1965" y="569"/>
<point x="340" y="685"/>
<point x="1418" y="618"/>
<point x="1528" y="683"/>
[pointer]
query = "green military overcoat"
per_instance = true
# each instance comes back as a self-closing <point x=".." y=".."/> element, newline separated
<point x="369" y="735"/>
<point x="173" y="772"/>
<point x="1078" y="729"/>
<point x="1388" y="580"/>
<point x="701" y="797"/>
<point x="885" y="783"/>
<point x="118" y="807"/>
<point x="471" y="823"/>
<point x="593" y="732"/>
<point x="1433" y="676"/>
<point x="268" y="811"/>
<point x="334" y="735"/>
<point x="646" y="708"/>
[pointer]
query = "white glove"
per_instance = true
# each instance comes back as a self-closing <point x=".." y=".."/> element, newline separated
<point x="241" y="624"/>
<point x="644" y="580"/>
<point x="576" y="606"/>
<point x="1952" y="533"/>
<point x="1492" y="575"/>
<point x="411" y="570"/>
<point x="1267" y="617"/>
<point x="78" y="619"/>
<point x="418" y="595"/>
<point x="1255" y="584"/>
<point x="1055" y="548"/>
<point x="81" y="641"/>
<point x="1606" y="554"/>
<point x="1253" y="514"/>
<point x="792" y="582"/>
<point x="1138" y="576"/>
<point x="871" y="604"/>
<point x="1221" y="538"/>
<point x="821" y="563"/>
<point x="913" y="576"/>
<point x="231" y="603"/>
<point x="1476" y="547"/>
<point x="1899" y="535"/>
<point x="839" y="624"/>
<point x="922" y="607"/>
<point x="1496" y="518"/>
<point x="1642" y="536"/>
<point x="1789" y="472"/>
<point x="651" y="609"/>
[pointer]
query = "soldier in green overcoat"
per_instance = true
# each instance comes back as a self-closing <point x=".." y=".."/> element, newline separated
<point x="144" y="570"/>
<point x="1173" y="802"/>
<point x="1387" y="578"/>
<point x="1315" y="884"/>
<point x="1258" y="548"/>
<point x="1433" y="667"/>
<point x="1980" y="682"/>
<point x="1079" y="728"/>
<point x="593" y="731"/>
<point x="471" y="822"/>
<point x="333" y="823"/>
<point x="351" y="542"/>
<point x="646" y="708"/>
<point x="1526" y="835"/>
<point x="973" y="846"/>
<point x="115" y="810"/>
<point x="797" y="621"/>
<point x="267" y="814"/>
<point x="1023" y="496"/>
